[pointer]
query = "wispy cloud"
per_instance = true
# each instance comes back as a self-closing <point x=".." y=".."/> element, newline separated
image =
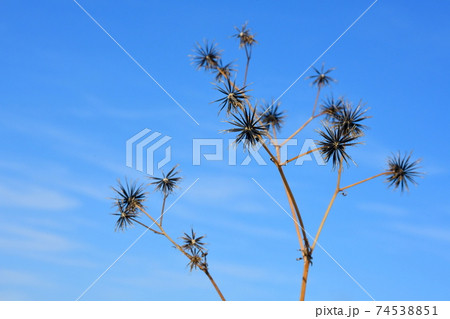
<point x="380" y="208"/>
<point x="20" y="278"/>
<point x="25" y="239"/>
<point x="252" y="273"/>
<point x="429" y="232"/>
<point x="19" y="195"/>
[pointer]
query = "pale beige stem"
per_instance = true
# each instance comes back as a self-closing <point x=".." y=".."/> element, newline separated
<point x="297" y="211"/>
<point x="145" y="226"/>
<point x="301" y="155"/>
<point x="304" y="279"/>
<point x="214" y="284"/>
<point x="204" y="269"/>
<point x="277" y="147"/>
<point x="333" y="198"/>
<point x="148" y="215"/>
<point x="317" y="100"/>
<point x="301" y="128"/>
<point x="162" y="209"/>
<point x="364" y="180"/>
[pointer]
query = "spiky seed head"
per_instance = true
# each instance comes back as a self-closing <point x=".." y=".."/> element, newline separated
<point x="270" y="115"/>
<point x="334" y="144"/>
<point x="332" y="108"/>
<point x="321" y="79"/>
<point x="250" y="131"/>
<point x="246" y="38"/>
<point x="402" y="171"/>
<point x="233" y="98"/>
<point x="350" y="119"/>
<point x="206" y="56"/>
<point x="168" y="182"/>
<point x="192" y="241"/>
<point x="197" y="259"/>
<point x="129" y="200"/>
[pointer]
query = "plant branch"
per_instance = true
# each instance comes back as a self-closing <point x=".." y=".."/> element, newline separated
<point x="301" y="155"/>
<point x="145" y="226"/>
<point x="202" y="268"/>
<point x="363" y="181"/>
<point x="307" y="265"/>
<point x="317" y="100"/>
<point x="277" y="147"/>
<point x="301" y="128"/>
<point x="162" y="209"/>
<point x="249" y="55"/>
<point x="270" y="153"/>
<point x="333" y="198"/>
<point x="148" y="215"/>
<point x="297" y="211"/>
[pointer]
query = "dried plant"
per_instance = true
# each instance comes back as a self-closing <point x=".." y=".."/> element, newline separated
<point x="343" y="127"/>
<point x="129" y="202"/>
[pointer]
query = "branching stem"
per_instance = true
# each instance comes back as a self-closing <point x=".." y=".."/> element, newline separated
<point x="301" y="155"/>
<point x="163" y="232"/>
<point x="363" y="181"/>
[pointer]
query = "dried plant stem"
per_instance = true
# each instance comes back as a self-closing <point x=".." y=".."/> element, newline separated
<point x="301" y="128"/>
<point x="145" y="226"/>
<point x="333" y="198"/>
<point x="364" y="180"/>
<point x="301" y="155"/>
<point x="297" y="211"/>
<point x="162" y="209"/>
<point x="298" y="221"/>
<point x="277" y="147"/>
<point x="304" y="279"/>
<point x="248" y="62"/>
<point x="163" y="232"/>
<point x="307" y="264"/>
<point x="149" y="216"/>
<point x="316" y="101"/>
<point x="214" y="284"/>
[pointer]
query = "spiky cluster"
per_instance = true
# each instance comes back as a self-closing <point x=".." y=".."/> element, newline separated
<point x="206" y="57"/>
<point x="334" y="144"/>
<point x="249" y="128"/>
<point x="402" y="171"/>
<point x="246" y="38"/>
<point x="233" y="98"/>
<point x="271" y="116"/>
<point x="196" y="249"/>
<point x="129" y="201"/>
<point x="321" y="78"/>
<point x="168" y="182"/>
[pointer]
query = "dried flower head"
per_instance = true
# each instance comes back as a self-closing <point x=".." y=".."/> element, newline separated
<point x="248" y="127"/>
<point x="197" y="259"/>
<point x="129" y="200"/>
<point x="271" y="116"/>
<point x="402" y="170"/>
<point x="332" y="108"/>
<point x="206" y="57"/>
<point x="130" y="197"/>
<point x="350" y="119"/>
<point x="246" y="39"/>
<point x="168" y="182"/>
<point x="321" y="78"/>
<point x="233" y="99"/>
<point x="192" y="241"/>
<point x="334" y="145"/>
<point x="223" y="72"/>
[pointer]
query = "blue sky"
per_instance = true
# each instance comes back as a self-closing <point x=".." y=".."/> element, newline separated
<point x="70" y="98"/>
